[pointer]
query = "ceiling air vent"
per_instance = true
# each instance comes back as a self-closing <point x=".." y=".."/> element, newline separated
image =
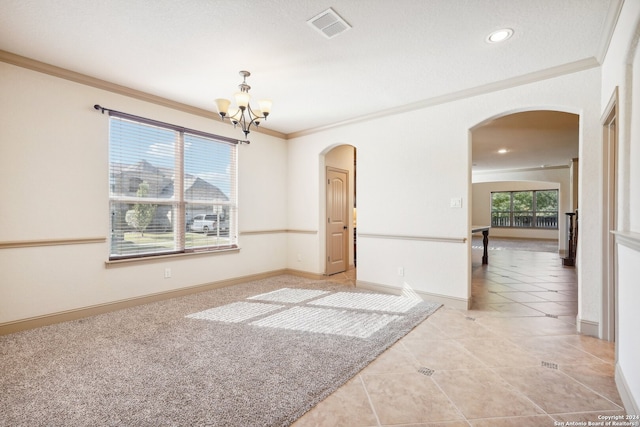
<point x="329" y="23"/>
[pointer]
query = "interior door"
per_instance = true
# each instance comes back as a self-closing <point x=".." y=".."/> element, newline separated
<point x="337" y="220"/>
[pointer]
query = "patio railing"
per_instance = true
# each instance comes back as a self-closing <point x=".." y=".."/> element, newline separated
<point x="525" y="219"/>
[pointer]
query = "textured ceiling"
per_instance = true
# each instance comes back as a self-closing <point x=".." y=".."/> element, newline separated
<point x="405" y="52"/>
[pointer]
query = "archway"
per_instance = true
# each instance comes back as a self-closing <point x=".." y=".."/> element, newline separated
<point x="527" y="146"/>
<point x="527" y="152"/>
<point x="338" y="216"/>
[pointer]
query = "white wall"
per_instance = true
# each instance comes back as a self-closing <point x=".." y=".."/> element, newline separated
<point x="628" y="343"/>
<point x="621" y="70"/>
<point x="55" y="183"/>
<point x="407" y="176"/>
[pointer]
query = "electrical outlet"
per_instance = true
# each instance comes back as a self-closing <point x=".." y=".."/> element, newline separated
<point x="167" y="273"/>
<point x="401" y="271"/>
<point x="456" y="202"/>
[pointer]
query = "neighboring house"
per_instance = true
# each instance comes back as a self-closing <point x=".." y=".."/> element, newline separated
<point x="199" y="190"/>
<point x="125" y="180"/>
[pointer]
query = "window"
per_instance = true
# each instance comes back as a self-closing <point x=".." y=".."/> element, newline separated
<point x="172" y="190"/>
<point x="525" y="209"/>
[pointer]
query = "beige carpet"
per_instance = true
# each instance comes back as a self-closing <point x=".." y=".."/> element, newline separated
<point x="257" y="354"/>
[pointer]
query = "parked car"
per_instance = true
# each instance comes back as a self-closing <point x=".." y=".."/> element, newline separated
<point x="209" y="224"/>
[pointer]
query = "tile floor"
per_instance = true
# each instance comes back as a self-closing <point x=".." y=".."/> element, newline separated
<point x="514" y="359"/>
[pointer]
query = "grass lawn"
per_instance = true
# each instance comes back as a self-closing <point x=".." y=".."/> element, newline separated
<point x="166" y="240"/>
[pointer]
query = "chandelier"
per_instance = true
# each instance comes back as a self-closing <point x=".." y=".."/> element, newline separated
<point x="243" y="115"/>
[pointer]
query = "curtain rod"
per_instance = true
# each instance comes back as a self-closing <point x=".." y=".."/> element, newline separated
<point x="168" y="125"/>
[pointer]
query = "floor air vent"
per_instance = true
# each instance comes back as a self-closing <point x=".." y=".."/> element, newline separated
<point x="426" y="371"/>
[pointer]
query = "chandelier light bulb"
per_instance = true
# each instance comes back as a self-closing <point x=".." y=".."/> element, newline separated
<point x="265" y="106"/>
<point x="223" y="106"/>
<point x="242" y="99"/>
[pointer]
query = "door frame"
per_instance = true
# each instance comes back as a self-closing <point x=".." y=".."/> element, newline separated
<point x="610" y="146"/>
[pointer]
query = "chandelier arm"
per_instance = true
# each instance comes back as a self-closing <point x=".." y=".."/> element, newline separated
<point x="255" y="118"/>
<point x="243" y="123"/>
<point x="252" y="115"/>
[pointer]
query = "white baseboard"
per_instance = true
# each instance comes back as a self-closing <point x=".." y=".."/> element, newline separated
<point x="631" y="407"/>
<point x="449" y="301"/>
<point x="588" y="327"/>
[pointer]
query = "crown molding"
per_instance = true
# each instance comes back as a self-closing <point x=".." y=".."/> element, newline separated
<point x="610" y="23"/>
<point x="63" y="73"/>
<point x="537" y="76"/>
<point x="548" y="73"/>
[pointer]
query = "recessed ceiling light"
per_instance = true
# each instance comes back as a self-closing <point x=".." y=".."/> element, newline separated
<point x="502" y="150"/>
<point x="500" y="35"/>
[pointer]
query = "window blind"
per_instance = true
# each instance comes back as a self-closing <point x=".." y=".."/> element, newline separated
<point x="172" y="189"/>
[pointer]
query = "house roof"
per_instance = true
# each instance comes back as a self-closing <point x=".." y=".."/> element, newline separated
<point x="160" y="181"/>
